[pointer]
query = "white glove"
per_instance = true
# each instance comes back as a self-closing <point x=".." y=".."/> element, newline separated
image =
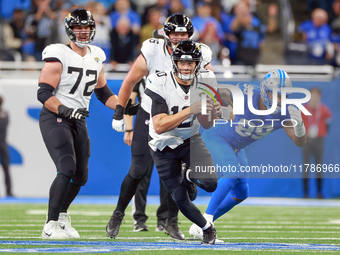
<point x="119" y="125"/>
<point x="295" y="114"/>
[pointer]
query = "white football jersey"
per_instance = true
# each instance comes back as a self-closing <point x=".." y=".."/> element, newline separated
<point x="163" y="87"/>
<point x="158" y="59"/>
<point x="79" y="76"/>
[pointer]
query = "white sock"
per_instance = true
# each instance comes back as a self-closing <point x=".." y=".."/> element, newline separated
<point x="187" y="175"/>
<point x="209" y="217"/>
<point x="207" y="225"/>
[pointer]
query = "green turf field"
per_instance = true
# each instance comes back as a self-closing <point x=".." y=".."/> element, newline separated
<point x="246" y="230"/>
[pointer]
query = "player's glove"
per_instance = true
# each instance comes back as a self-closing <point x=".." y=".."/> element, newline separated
<point x="295" y="114"/>
<point x="73" y="113"/>
<point x="118" y="122"/>
<point x="131" y="109"/>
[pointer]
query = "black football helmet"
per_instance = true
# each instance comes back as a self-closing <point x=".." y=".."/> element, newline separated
<point x="177" y="23"/>
<point x="187" y="50"/>
<point x="80" y="17"/>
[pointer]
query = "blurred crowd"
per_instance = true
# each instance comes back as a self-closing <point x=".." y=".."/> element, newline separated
<point x="235" y="30"/>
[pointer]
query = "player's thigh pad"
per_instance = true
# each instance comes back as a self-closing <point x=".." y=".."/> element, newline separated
<point x="82" y="163"/>
<point x="61" y="147"/>
<point x="240" y="190"/>
<point x="202" y="165"/>
<point x="139" y="144"/>
<point x="177" y="190"/>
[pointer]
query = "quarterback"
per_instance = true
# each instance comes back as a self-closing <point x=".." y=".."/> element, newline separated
<point x="155" y="57"/>
<point x="174" y="136"/>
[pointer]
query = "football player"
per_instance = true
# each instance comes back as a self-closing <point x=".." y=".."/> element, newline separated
<point x="174" y="131"/>
<point x="226" y="143"/>
<point x="70" y="75"/>
<point x="154" y="57"/>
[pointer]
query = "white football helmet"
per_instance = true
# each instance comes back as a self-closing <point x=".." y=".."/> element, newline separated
<point x="276" y="78"/>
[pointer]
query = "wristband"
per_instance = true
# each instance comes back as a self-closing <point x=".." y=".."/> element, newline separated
<point x="130" y="130"/>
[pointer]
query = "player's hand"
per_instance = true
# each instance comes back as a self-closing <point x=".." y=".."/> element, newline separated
<point x="73" y="113"/>
<point x="128" y="138"/>
<point x="131" y="109"/>
<point x="118" y="122"/>
<point x="196" y="108"/>
<point x="295" y="114"/>
<point x="119" y="125"/>
<point x="218" y="109"/>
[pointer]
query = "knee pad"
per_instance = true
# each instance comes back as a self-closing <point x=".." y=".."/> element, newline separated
<point x="67" y="166"/>
<point x="208" y="184"/>
<point x="139" y="167"/>
<point x="240" y="191"/>
<point x="81" y="179"/>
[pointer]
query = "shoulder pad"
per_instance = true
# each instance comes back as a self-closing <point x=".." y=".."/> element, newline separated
<point x="206" y="54"/>
<point x="99" y="52"/>
<point x="54" y="52"/>
<point x="149" y="47"/>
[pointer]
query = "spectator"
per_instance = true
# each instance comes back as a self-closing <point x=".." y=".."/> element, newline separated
<point x="103" y="26"/>
<point x="317" y="34"/>
<point x="161" y="5"/>
<point x="124" y="43"/>
<point x="122" y="8"/>
<point x="155" y="23"/>
<point x="208" y="30"/>
<point x="13" y="32"/>
<point x="250" y="33"/>
<point x="317" y="126"/>
<point x="335" y="12"/>
<point x="267" y="14"/>
<point x="4" y="154"/>
<point x="40" y="28"/>
<point x="176" y="6"/>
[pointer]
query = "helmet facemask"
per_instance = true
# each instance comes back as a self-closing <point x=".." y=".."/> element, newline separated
<point x="80" y="17"/>
<point x="182" y="76"/>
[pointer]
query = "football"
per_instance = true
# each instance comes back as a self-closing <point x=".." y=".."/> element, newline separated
<point x="207" y="120"/>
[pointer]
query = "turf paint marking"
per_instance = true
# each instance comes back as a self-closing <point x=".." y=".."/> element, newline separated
<point x="106" y="247"/>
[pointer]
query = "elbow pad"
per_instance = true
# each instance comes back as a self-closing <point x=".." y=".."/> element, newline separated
<point x="44" y="92"/>
<point x="103" y="94"/>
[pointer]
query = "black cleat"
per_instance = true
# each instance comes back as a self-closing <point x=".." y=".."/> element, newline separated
<point x="112" y="228"/>
<point x="191" y="187"/>
<point x="160" y="225"/>
<point x="171" y="228"/>
<point x="140" y="226"/>
<point x="209" y="235"/>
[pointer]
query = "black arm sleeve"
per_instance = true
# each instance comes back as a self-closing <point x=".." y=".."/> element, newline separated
<point x="44" y="92"/>
<point x="159" y="104"/>
<point x="103" y="94"/>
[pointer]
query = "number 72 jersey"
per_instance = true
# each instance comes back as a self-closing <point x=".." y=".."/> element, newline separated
<point x="79" y="76"/>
